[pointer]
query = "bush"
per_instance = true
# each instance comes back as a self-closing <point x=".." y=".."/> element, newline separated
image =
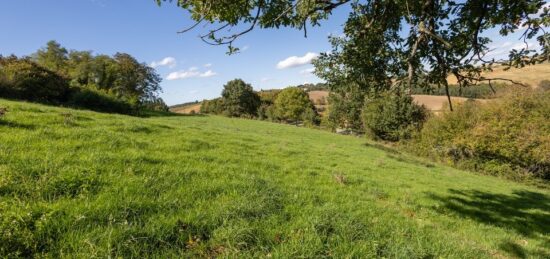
<point x="213" y="106"/>
<point x="293" y="104"/>
<point x="26" y="80"/>
<point x="508" y="137"/>
<point x="345" y="108"/>
<point x="99" y="101"/>
<point x="393" y="116"/>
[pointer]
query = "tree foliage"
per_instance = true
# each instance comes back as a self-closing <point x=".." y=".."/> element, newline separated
<point x="293" y="104"/>
<point x="390" y="44"/>
<point x="24" y="79"/>
<point x="393" y="116"/>
<point x="239" y="99"/>
<point x="80" y="78"/>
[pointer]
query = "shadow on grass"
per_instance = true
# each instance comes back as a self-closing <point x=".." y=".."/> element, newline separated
<point x="382" y="147"/>
<point x="149" y="114"/>
<point x="526" y="212"/>
<point x="15" y="125"/>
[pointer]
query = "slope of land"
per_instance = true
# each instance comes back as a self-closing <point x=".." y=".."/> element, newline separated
<point x="187" y="109"/>
<point x="529" y="75"/>
<point x="437" y="104"/>
<point x="84" y="184"/>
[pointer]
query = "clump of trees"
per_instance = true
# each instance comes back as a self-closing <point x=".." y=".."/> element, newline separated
<point x="240" y="100"/>
<point x="79" y="78"/>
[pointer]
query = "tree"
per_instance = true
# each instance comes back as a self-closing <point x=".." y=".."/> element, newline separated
<point x="393" y="116"/>
<point x="53" y="57"/>
<point x="346" y="104"/>
<point x="239" y="99"/>
<point x="292" y="104"/>
<point x="399" y="43"/>
<point x="136" y="82"/>
<point x="24" y="79"/>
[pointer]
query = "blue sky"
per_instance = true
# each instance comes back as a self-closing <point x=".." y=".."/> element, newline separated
<point x="192" y="69"/>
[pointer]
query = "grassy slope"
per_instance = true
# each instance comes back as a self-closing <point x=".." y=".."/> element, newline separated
<point x="90" y="184"/>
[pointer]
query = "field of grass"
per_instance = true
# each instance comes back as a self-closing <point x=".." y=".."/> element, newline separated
<point x="84" y="184"/>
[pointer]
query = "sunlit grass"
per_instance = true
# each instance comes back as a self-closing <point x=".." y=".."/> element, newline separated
<point x="83" y="184"/>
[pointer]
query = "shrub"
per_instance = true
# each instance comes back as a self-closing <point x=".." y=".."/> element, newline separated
<point x="508" y="137"/>
<point x="211" y="106"/>
<point x="99" y="101"/>
<point x="155" y="104"/>
<point x="24" y="79"/>
<point x="392" y="116"/>
<point x="267" y="112"/>
<point x="292" y="104"/>
<point x="345" y="108"/>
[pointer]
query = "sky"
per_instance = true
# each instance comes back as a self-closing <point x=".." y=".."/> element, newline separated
<point x="191" y="70"/>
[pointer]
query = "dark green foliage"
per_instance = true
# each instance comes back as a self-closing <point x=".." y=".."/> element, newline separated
<point x="267" y="112"/>
<point x="508" y="137"/>
<point x="24" y="79"/>
<point x="239" y="99"/>
<point x="155" y="104"/>
<point x="100" y="101"/>
<point x="213" y="106"/>
<point x="102" y="83"/>
<point x="293" y="104"/>
<point x="346" y="104"/>
<point x="393" y="116"/>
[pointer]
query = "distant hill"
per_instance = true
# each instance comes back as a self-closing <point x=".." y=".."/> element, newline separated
<point x="530" y="75"/>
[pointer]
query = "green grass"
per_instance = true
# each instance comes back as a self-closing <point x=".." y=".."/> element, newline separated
<point x="84" y="184"/>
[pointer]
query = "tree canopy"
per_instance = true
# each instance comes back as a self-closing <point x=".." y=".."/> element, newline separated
<point x="292" y="104"/>
<point x="239" y="99"/>
<point x="391" y="43"/>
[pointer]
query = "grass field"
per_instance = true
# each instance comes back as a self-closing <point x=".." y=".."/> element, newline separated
<point x="84" y="184"/>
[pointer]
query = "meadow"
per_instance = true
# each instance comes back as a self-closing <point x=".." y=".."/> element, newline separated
<point x="76" y="183"/>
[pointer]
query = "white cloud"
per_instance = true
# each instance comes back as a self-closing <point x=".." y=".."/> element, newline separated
<point x="208" y="65"/>
<point x="167" y="61"/>
<point x="193" y="92"/>
<point x="307" y="71"/>
<point x="296" y="61"/>
<point x="265" y="79"/>
<point x="192" y="72"/>
<point x="208" y="73"/>
<point x="245" y="48"/>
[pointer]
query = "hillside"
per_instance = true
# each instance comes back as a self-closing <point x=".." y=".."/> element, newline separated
<point x="529" y="75"/>
<point x="187" y="109"/>
<point x="83" y="184"/>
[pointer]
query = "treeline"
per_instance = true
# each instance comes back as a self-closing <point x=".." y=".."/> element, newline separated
<point x="480" y="91"/>
<point x="291" y="105"/>
<point x="54" y="75"/>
